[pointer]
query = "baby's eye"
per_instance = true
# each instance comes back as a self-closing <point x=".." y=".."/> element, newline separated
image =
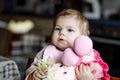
<point x="70" y="30"/>
<point x="57" y="28"/>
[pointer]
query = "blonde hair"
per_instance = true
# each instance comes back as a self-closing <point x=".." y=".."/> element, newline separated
<point x="84" y="24"/>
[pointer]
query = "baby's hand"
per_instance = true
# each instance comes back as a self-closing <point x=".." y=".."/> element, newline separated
<point x="38" y="75"/>
<point x="83" y="72"/>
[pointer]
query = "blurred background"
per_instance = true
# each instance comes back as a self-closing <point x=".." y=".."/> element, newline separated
<point x="26" y="25"/>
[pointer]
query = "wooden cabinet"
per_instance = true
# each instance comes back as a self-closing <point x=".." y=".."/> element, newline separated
<point x="5" y="42"/>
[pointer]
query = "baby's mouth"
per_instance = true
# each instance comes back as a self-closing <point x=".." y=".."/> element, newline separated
<point x="61" y="40"/>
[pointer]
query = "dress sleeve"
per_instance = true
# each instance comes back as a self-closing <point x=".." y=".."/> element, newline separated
<point x="103" y="65"/>
<point x="33" y="67"/>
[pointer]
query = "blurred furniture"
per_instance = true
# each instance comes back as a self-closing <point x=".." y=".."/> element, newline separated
<point x="106" y="39"/>
<point x="114" y="78"/>
<point x="5" y="42"/>
<point x="8" y="69"/>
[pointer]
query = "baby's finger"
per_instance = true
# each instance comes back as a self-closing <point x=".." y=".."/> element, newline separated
<point x="88" y="68"/>
<point x="77" y="71"/>
<point x="36" y="75"/>
<point x="81" y="68"/>
<point x="40" y="72"/>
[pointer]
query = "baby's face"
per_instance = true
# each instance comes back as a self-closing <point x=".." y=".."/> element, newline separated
<point x="65" y="32"/>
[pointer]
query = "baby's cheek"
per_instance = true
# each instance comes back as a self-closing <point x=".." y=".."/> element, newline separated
<point x="71" y="42"/>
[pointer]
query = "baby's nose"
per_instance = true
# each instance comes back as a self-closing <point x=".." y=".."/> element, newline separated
<point x="62" y="32"/>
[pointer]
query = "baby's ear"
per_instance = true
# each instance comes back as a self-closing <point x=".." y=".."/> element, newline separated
<point x="83" y="45"/>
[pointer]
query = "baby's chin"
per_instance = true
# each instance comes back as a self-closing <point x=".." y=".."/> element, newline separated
<point x="62" y="48"/>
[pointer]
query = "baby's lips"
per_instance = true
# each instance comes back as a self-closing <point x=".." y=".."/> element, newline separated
<point x="61" y="40"/>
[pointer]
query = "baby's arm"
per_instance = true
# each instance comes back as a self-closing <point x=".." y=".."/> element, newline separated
<point x="36" y="75"/>
<point x="32" y="70"/>
<point x="30" y="77"/>
<point x="83" y="72"/>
